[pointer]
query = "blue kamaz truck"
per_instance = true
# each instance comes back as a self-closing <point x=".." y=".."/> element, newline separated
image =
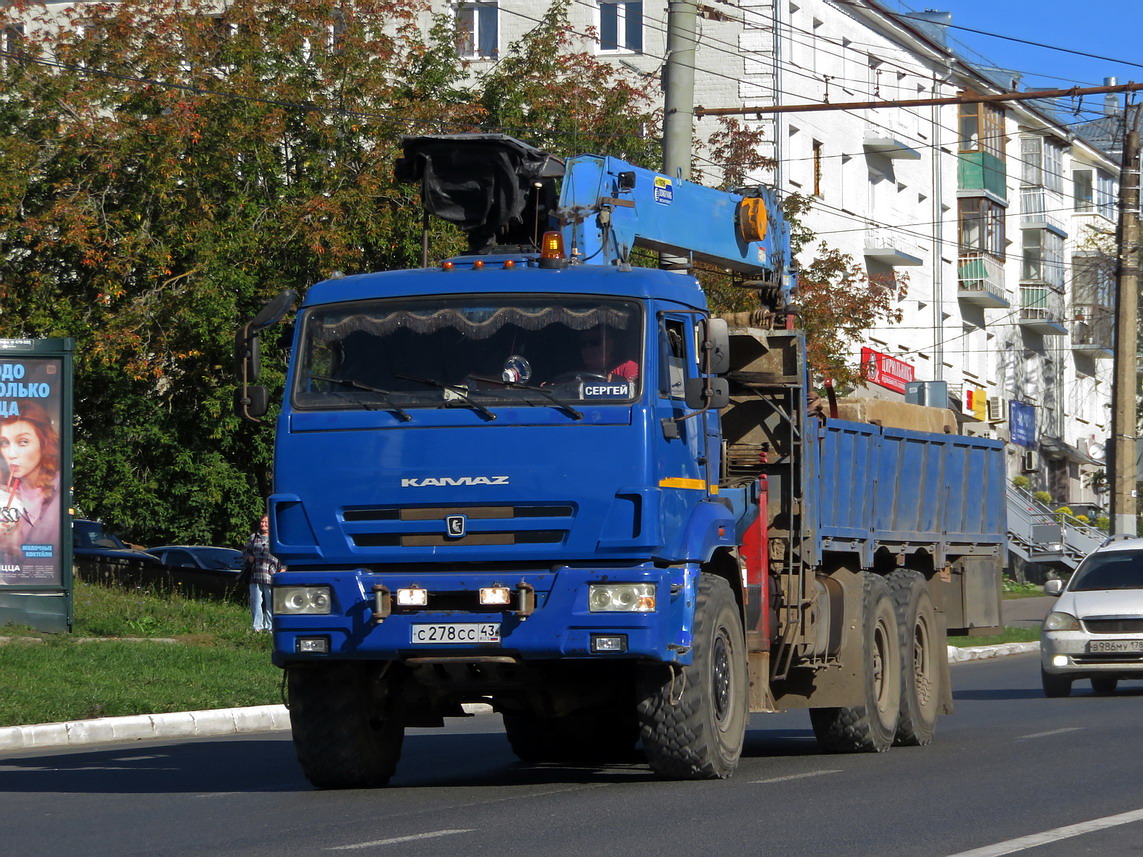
<point x="540" y="477"/>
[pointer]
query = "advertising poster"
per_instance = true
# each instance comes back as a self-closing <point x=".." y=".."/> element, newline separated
<point x="886" y="371"/>
<point x="31" y="463"/>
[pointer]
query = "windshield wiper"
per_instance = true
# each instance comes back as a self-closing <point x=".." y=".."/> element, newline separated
<point x="517" y="385"/>
<point x="460" y="393"/>
<point x="401" y="413"/>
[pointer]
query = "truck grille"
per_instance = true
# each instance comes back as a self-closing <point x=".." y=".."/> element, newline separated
<point x="484" y="525"/>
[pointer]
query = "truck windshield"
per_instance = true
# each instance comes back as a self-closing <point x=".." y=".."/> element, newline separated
<point x="469" y="351"/>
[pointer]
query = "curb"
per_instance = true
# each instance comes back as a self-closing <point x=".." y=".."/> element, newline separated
<point x="268" y="718"/>
<point x="140" y="727"/>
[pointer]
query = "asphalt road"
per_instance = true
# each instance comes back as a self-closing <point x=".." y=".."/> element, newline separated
<point x="1009" y="764"/>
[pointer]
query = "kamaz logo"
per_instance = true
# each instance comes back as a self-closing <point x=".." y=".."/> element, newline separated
<point x="453" y="481"/>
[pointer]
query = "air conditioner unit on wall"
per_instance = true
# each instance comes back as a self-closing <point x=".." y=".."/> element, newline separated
<point x="1031" y="461"/>
<point x="997" y="409"/>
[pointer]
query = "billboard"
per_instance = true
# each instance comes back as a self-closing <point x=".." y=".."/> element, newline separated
<point x="31" y="470"/>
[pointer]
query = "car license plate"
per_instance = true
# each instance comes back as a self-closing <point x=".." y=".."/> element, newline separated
<point x="1115" y="646"/>
<point x="456" y="632"/>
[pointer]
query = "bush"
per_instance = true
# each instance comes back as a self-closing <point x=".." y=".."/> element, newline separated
<point x="1103" y="523"/>
<point x="1021" y="482"/>
<point x="1042" y="497"/>
<point x="1064" y="512"/>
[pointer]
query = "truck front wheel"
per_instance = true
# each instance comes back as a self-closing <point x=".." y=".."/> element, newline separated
<point x="344" y="734"/>
<point x="871" y="726"/>
<point x="693" y="720"/>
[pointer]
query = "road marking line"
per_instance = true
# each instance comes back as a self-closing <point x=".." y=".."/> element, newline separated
<point x="793" y="777"/>
<point x="1053" y="732"/>
<point x="398" y="839"/>
<point x="1026" y="842"/>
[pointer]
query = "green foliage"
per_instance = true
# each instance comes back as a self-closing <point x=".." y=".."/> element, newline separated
<point x="1103" y="523"/>
<point x="1042" y="497"/>
<point x="1021" y="482"/>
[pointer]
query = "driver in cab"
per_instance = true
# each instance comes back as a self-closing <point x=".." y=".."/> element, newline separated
<point x="598" y="347"/>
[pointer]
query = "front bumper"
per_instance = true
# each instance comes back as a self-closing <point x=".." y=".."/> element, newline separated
<point x="561" y="625"/>
<point x="1078" y="654"/>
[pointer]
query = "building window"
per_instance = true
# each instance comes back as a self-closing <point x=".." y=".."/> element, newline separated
<point x="1093" y="280"/>
<point x="12" y="43"/>
<point x="1042" y="163"/>
<point x="620" y="26"/>
<point x="1043" y="258"/>
<point x="1093" y="191"/>
<point x="476" y="25"/>
<point x="981" y="226"/>
<point x="982" y="129"/>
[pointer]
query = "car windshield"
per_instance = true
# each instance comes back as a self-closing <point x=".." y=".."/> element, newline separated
<point x="468" y="351"/>
<point x="1112" y="570"/>
<point x="89" y="534"/>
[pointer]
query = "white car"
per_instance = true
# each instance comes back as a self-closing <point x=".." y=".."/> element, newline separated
<point x="1095" y="630"/>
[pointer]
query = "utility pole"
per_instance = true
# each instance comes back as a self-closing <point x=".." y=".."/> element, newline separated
<point x="679" y="101"/>
<point x="1124" y="417"/>
<point x="679" y="87"/>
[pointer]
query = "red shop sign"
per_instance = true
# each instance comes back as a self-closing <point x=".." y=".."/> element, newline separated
<point x="885" y="371"/>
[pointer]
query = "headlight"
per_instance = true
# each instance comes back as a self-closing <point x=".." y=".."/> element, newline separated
<point x="1061" y="622"/>
<point x="301" y="599"/>
<point x="621" y="597"/>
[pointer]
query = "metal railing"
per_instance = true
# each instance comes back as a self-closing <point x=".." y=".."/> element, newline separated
<point x="1037" y="533"/>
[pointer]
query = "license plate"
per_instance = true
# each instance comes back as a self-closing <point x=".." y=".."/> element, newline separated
<point x="456" y="632"/>
<point x="1115" y="646"/>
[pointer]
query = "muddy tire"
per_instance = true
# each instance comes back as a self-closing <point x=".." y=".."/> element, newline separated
<point x="342" y="736"/>
<point x="922" y="646"/>
<point x="692" y="719"/>
<point x="872" y="726"/>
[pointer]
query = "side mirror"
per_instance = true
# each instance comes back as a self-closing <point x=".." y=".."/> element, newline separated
<point x="707" y="393"/>
<point x="251" y="402"/>
<point x="716" y="344"/>
<point x="1053" y="587"/>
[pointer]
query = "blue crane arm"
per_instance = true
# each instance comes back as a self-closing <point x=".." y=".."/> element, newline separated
<point x="609" y="206"/>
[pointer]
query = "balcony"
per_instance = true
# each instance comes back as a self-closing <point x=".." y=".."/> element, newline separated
<point x="1040" y="209"/>
<point x="980" y="280"/>
<point x="982" y="171"/>
<point x="889" y="146"/>
<point x="1093" y="333"/>
<point x="891" y="247"/>
<point x="1042" y="310"/>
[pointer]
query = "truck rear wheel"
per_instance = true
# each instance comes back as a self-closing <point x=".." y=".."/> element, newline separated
<point x="603" y="734"/>
<point x="693" y="720"/>
<point x="872" y="726"/>
<point x="920" y="650"/>
<point x="343" y="734"/>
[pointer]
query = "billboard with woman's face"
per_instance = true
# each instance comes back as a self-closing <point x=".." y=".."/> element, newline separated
<point x="31" y="464"/>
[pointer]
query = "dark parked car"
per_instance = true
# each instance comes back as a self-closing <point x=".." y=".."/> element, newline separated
<point x="100" y="556"/>
<point x="203" y="570"/>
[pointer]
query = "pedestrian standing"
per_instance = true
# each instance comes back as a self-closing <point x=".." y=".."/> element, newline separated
<point x="262" y="566"/>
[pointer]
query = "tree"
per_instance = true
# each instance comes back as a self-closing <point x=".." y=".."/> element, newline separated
<point x="166" y="167"/>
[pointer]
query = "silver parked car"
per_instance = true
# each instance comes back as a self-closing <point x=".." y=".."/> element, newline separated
<point x="1095" y="630"/>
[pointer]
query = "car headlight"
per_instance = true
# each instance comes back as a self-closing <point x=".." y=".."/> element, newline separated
<point x="1061" y="622"/>
<point x="294" y="600"/>
<point x="621" y="597"/>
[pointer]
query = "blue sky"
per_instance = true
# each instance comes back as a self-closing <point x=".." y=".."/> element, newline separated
<point x="1108" y="28"/>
